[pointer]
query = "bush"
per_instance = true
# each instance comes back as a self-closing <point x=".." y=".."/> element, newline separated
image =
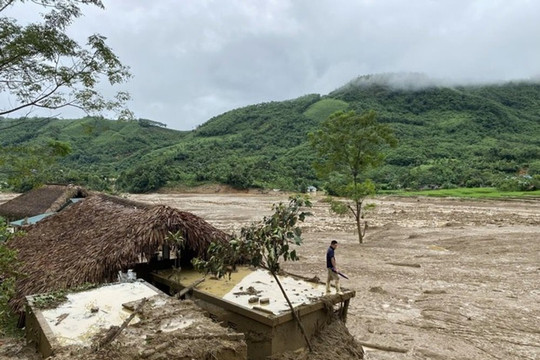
<point x="8" y="275"/>
<point x="519" y="183"/>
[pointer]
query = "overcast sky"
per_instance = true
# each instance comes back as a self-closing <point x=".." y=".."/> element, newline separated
<point x="195" y="59"/>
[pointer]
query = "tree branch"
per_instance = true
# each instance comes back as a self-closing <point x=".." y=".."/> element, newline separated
<point x="6" y="5"/>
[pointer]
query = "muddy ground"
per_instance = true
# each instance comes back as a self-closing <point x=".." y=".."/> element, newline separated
<point x="435" y="278"/>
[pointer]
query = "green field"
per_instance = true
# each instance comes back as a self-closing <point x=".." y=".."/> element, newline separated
<point x="477" y="193"/>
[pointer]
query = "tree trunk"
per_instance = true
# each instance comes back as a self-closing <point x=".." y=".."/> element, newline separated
<point x="358" y="217"/>
<point x="295" y="315"/>
<point x="359" y="229"/>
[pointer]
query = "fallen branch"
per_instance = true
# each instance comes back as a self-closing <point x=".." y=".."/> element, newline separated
<point x="404" y="264"/>
<point x="185" y="290"/>
<point x="293" y="310"/>
<point x="115" y="331"/>
<point x="383" y="347"/>
<point x="61" y="318"/>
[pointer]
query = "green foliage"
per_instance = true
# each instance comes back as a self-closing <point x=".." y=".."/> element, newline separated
<point x="41" y="66"/>
<point x="347" y="145"/>
<point x="144" y="178"/>
<point x="240" y="177"/>
<point x="9" y="265"/>
<point x="55" y="298"/>
<point x="27" y="166"/>
<point x="271" y="240"/>
<point x="261" y="244"/>
<point x="448" y="137"/>
<point x="100" y="150"/>
<point x="519" y="183"/>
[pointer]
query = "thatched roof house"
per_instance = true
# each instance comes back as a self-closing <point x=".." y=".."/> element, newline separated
<point x="90" y="241"/>
<point x="46" y="199"/>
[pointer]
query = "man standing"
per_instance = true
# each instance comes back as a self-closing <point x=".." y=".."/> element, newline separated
<point x="332" y="268"/>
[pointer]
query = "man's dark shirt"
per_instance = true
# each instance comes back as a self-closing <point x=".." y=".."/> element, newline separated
<point x="329" y="256"/>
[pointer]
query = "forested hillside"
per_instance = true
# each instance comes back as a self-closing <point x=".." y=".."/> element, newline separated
<point x="100" y="149"/>
<point x="448" y="136"/>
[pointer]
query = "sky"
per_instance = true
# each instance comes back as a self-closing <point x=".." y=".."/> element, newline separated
<point x="195" y="59"/>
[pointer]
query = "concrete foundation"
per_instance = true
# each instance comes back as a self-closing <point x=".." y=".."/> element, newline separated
<point x="266" y="333"/>
<point x="50" y="329"/>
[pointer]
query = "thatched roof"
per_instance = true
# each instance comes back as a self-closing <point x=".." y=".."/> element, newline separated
<point x="90" y="241"/>
<point x="48" y="198"/>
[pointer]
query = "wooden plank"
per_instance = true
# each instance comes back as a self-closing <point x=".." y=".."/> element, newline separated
<point x="384" y="347"/>
<point x="187" y="289"/>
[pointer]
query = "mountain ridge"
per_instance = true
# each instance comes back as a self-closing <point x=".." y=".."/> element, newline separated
<point x="449" y="136"/>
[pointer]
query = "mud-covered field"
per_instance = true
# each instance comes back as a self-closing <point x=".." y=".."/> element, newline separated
<point x="435" y="278"/>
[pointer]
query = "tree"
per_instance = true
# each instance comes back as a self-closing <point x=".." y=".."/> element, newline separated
<point x="263" y="244"/>
<point x="144" y="178"/>
<point x="347" y="144"/>
<point x="26" y="167"/>
<point x="42" y="67"/>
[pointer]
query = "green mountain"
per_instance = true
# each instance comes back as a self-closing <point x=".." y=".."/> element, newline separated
<point x="448" y="136"/>
<point x="101" y="148"/>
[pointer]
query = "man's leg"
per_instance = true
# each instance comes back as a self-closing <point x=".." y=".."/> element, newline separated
<point x="328" y="279"/>
<point x="338" y="287"/>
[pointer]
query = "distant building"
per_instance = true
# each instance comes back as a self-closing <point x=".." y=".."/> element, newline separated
<point x="40" y="201"/>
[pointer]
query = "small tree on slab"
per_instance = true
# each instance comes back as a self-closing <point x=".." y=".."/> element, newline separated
<point x="263" y="244"/>
<point x="347" y="144"/>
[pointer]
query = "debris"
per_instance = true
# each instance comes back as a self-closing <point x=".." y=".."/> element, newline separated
<point x="383" y="347"/>
<point x="60" y="318"/>
<point x="434" y="292"/>
<point x="114" y="331"/>
<point x="404" y="264"/>
<point x="249" y="291"/>
<point x="378" y="290"/>
<point x="185" y="290"/>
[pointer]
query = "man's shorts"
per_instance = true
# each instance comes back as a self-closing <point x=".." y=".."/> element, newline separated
<point x="332" y="275"/>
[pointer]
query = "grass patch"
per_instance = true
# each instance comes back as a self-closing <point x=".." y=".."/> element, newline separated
<point x="475" y="193"/>
<point x="322" y="109"/>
